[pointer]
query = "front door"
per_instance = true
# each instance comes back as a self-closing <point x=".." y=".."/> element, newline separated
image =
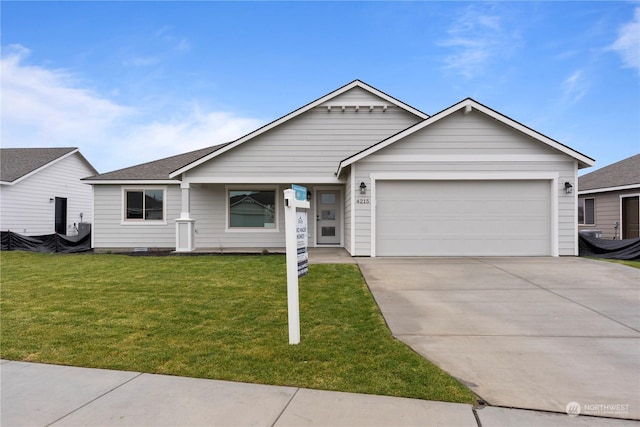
<point x="630" y="217"/>
<point x="328" y="218"/>
<point x="61" y="215"/>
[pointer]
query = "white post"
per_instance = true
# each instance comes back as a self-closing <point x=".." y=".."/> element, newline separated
<point x="292" y="266"/>
<point x="185" y="225"/>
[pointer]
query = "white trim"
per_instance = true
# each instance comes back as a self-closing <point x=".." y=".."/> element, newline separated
<point x="143" y="222"/>
<point x="552" y="177"/>
<point x="606" y="189"/>
<point x="624" y="196"/>
<point x="582" y="159"/>
<point x="132" y="182"/>
<point x="245" y="187"/>
<point x="295" y="113"/>
<point x="352" y="200"/>
<point x="553" y="194"/>
<point x="465" y="175"/>
<point x="46" y="165"/>
<point x="576" y="229"/>
<point x="262" y="180"/>
<point x="475" y="158"/>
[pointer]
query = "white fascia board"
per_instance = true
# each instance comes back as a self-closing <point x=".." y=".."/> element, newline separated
<point x="607" y="189"/>
<point x="295" y="113"/>
<point x="465" y="175"/>
<point x="53" y="162"/>
<point x="132" y="182"/>
<point x="464" y="105"/>
<point x="265" y="180"/>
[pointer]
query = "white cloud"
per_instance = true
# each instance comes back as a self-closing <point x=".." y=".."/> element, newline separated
<point x="475" y="38"/>
<point x="628" y="42"/>
<point x="47" y="107"/>
<point x="575" y="86"/>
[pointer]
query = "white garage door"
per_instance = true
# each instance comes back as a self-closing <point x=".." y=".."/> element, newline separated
<point x="463" y="218"/>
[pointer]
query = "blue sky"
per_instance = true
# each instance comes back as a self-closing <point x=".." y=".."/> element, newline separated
<point x="130" y="82"/>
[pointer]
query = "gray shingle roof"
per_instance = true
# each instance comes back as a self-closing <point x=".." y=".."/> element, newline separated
<point x="624" y="172"/>
<point x="18" y="162"/>
<point x="158" y="169"/>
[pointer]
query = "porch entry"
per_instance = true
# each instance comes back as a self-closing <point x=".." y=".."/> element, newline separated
<point x="328" y="217"/>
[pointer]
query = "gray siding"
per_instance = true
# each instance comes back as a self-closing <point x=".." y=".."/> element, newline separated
<point x="311" y="144"/>
<point x="25" y="207"/>
<point x="464" y="144"/>
<point x="607" y="211"/>
<point x="109" y="232"/>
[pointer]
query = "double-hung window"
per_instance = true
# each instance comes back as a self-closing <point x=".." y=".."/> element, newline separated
<point x="144" y="204"/>
<point x="252" y="208"/>
<point x="586" y="211"/>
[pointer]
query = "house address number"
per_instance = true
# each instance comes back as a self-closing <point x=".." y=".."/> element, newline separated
<point x="363" y="201"/>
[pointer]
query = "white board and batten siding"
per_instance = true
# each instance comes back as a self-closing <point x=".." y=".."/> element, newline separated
<point x="110" y="231"/>
<point x="308" y="148"/>
<point x="455" y="181"/>
<point x="28" y="206"/>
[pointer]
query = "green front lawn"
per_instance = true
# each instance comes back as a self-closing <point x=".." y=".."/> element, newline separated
<point x="222" y="317"/>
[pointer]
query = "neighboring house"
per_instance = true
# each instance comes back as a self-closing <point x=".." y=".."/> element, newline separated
<point x="385" y="178"/>
<point x="608" y="200"/>
<point x="41" y="191"/>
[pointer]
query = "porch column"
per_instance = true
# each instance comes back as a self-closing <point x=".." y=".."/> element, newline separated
<point x="185" y="225"/>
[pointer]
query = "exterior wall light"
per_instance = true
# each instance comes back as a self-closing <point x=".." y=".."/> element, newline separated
<point x="568" y="188"/>
<point x="363" y="188"/>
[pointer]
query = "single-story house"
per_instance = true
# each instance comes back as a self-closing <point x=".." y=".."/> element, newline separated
<point x="41" y="192"/>
<point x="608" y="200"/>
<point x="385" y="179"/>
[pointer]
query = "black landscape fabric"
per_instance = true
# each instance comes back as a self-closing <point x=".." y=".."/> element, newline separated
<point x="628" y="249"/>
<point x="49" y="243"/>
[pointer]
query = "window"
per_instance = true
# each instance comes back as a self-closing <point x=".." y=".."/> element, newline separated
<point x="252" y="209"/>
<point x="144" y="205"/>
<point x="586" y="211"/>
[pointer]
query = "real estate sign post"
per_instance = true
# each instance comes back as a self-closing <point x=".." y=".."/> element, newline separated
<point x="295" y="224"/>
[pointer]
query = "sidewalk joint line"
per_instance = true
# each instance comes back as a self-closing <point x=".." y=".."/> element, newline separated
<point x="285" y="407"/>
<point x="93" y="400"/>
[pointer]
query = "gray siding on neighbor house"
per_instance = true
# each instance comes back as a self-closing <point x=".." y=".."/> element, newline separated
<point x="466" y="144"/>
<point x="25" y="207"/>
<point x="110" y="232"/>
<point x="309" y="145"/>
<point x="607" y="211"/>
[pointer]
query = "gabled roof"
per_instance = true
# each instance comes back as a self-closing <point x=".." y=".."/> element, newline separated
<point x="299" y="111"/>
<point x="621" y="175"/>
<point x="468" y="105"/>
<point x="157" y="170"/>
<point x="17" y="164"/>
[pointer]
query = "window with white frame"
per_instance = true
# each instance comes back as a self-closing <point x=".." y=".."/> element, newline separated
<point x="586" y="211"/>
<point x="144" y="204"/>
<point x="252" y="208"/>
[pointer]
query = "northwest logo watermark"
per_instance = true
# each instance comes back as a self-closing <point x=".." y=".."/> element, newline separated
<point x="574" y="409"/>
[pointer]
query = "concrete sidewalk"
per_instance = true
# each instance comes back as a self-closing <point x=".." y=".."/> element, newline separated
<point x="47" y="395"/>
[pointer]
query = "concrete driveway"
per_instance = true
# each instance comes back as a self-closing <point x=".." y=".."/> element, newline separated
<point x="534" y="333"/>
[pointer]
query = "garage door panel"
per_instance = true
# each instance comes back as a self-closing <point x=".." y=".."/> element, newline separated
<point x="463" y="218"/>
